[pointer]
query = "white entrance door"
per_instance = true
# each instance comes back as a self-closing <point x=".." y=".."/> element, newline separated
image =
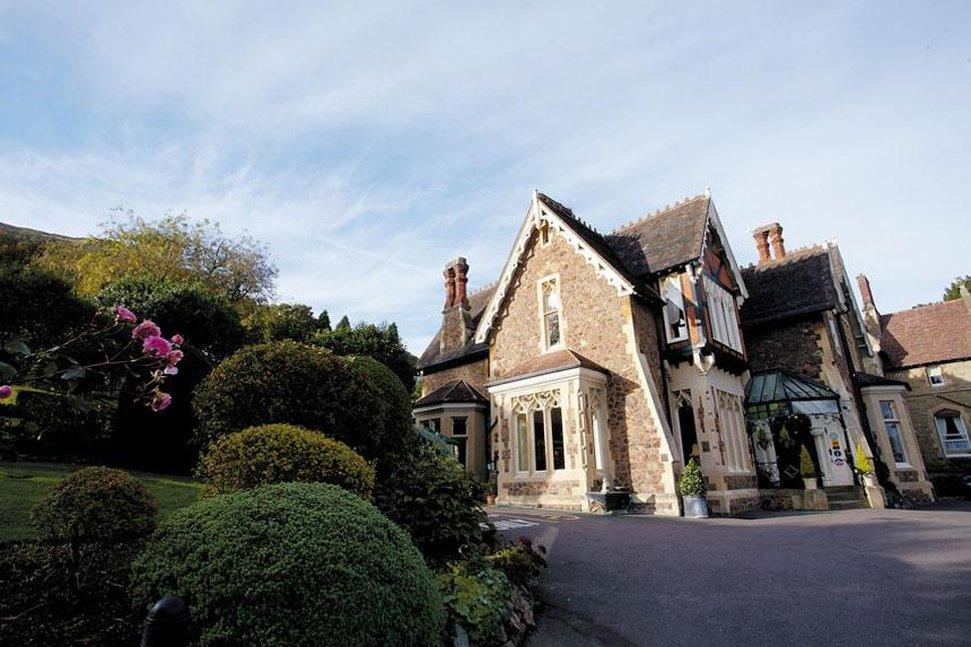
<point x="834" y="455"/>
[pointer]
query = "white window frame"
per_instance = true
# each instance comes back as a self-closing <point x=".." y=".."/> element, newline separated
<point x="887" y="425"/>
<point x="935" y="372"/>
<point x="672" y="294"/>
<point x="543" y="313"/>
<point x="722" y="314"/>
<point x="527" y="405"/>
<point x="962" y="430"/>
<point x="731" y="419"/>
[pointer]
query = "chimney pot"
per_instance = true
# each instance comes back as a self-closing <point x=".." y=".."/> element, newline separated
<point x="778" y="244"/>
<point x="761" y="236"/>
<point x="449" y="274"/>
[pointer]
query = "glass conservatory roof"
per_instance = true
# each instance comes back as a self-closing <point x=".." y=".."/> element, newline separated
<point x="770" y="387"/>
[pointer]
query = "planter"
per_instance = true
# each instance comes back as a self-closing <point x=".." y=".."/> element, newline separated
<point x="616" y="501"/>
<point x="809" y="483"/>
<point x="695" y="507"/>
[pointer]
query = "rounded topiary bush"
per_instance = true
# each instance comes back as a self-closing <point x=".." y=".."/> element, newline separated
<point x="293" y="383"/>
<point x="393" y="400"/>
<point x="96" y="504"/>
<point x="283" y="454"/>
<point x="291" y="564"/>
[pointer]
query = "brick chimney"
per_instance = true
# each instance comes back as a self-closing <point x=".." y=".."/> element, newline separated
<point x="761" y="236"/>
<point x="865" y="292"/>
<point x="457" y="328"/>
<point x="871" y="316"/>
<point x="778" y="244"/>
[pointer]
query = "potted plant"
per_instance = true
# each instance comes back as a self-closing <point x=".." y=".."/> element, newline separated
<point x="864" y="467"/>
<point x="808" y="469"/>
<point x="692" y="489"/>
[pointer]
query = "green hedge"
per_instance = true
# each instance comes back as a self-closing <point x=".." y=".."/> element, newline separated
<point x="96" y="504"/>
<point x="282" y="454"/>
<point x="291" y="564"/>
<point x="394" y="405"/>
<point x="292" y="383"/>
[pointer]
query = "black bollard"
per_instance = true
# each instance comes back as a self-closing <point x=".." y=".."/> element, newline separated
<point x="167" y="624"/>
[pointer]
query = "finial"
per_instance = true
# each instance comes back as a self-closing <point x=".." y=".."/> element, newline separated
<point x="708" y="191"/>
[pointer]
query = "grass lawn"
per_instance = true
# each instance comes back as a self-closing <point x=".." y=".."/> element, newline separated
<point x="23" y="485"/>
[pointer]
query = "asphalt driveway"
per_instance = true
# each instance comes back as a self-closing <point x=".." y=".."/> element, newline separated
<point x="860" y="577"/>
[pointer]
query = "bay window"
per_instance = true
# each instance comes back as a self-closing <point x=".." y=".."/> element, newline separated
<point x="539" y="432"/>
<point x="953" y="432"/>
<point x="721" y="313"/>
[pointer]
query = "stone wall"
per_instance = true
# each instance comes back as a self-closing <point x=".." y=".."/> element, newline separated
<point x="923" y="401"/>
<point x="475" y="373"/>
<point x="595" y="322"/>
<point x="794" y="345"/>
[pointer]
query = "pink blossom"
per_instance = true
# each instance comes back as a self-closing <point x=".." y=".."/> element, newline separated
<point x="161" y="401"/>
<point x="171" y="370"/>
<point x="124" y="314"/>
<point x="5" y="391"/>
<point x="177" y="339"/>
<point x="174" y="357"/>
<point x="158" y="346"/>
<point x="146" y="330"/>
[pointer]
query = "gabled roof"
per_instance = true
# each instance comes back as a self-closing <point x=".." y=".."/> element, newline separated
<point x="432" y="357"/>
<point x="801" y="283"/>
<point x="664" y="239"/>
<point x="931" y="334"/>
<point x="453" y="391"/>
<point x="560" y="360"/>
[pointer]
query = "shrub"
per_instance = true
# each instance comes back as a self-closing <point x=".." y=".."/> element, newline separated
<point x="291" y="564"/>
<point x="806" y="464"/>
<point x="692" y="482"/>
<point x="53" y="595"/>
<point x="56" y="427"/>
<point x="477" y="597"/>
<point x="293" y="383"/>
<point x="521" y="564"/>
<point x="281" y="454"/>
<point x="434" y="499"/>
<point x="394" y="404"/>
<point x="96" y="504"/>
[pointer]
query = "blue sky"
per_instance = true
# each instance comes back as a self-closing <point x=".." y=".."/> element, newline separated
<point x="368" y="143"/>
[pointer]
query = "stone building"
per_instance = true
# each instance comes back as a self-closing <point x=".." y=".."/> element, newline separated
<point x="603" y="362"/>
<point x="803" y="321"/>
<point x="929" y="348"/>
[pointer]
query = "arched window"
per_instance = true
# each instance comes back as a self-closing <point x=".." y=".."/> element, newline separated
<point x="539" y="432"/>
<point x="953" y="432"/>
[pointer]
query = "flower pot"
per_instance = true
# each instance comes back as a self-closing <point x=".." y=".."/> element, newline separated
<point x="809" y="483"/>
<point x="695" y="507"/>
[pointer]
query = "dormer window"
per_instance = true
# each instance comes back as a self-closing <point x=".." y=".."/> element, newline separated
<point x="675" y="321"/>
<point x="722" y="314"/>
<point x="549" y="293"/>
<point x="935" y="376"/>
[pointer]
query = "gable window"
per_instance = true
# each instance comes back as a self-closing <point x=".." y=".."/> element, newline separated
<point x="891" y="423"/>
<point x="935" y="376"/>
<point x="675" y="321"/>
<point x="539" y="432"/>
<point x="544" y="233"/>
<point x="721" y="312"/>
<point x="953" y="432"/>
<point x="549" y="293"/>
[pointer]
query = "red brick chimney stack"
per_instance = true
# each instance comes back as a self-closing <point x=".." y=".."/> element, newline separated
<point x="761" y="236"/>
<point x="461" y="281"/>
<point x="778" y="244"/>
<point x="449" y="274"/>
<point x="865" y="292"/>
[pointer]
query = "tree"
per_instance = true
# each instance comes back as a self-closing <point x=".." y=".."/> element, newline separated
<point x="953" y="291"/>
<point x="323" y="321"/>
<point x="238" y="268"/>
<point x="379" y="342"/>
<point x="39" y="308"/>
<point x="344" y="323"/>
<point x="282" y="321"/>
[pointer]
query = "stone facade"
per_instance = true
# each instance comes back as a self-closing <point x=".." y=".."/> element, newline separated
<point x="795" y="345"/>
<point x="475" y="373"/>
<point x="600" y="325"/>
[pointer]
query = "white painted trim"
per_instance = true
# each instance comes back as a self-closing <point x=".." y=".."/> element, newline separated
<point x="450" y="406"/>
<point x="733" y="264"/>
<point x="530" y="384"/>
<point x="883" y="388"/>
<point x="538" y="211"/>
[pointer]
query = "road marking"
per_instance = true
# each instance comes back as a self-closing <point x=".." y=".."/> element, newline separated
<point x="508" y="524"/>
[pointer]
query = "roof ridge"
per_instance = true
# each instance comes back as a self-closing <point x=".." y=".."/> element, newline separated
<point x="487" y="286"/>
<point x="791" y="255"/>
<point x="657" y="212"/>
<point x="921" y="306"/>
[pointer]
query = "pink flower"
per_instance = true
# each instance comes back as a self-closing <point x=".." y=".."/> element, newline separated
<point x="157" y="346"/>
<point x="161" y="401"/>
<point x="146" y="330"/>
<point x="124" y="314"/>
<point x="171" y="370"/>
<point x="177" y="339"/>
<point x="174" y="357"/>
<point x="5" y="391"/>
